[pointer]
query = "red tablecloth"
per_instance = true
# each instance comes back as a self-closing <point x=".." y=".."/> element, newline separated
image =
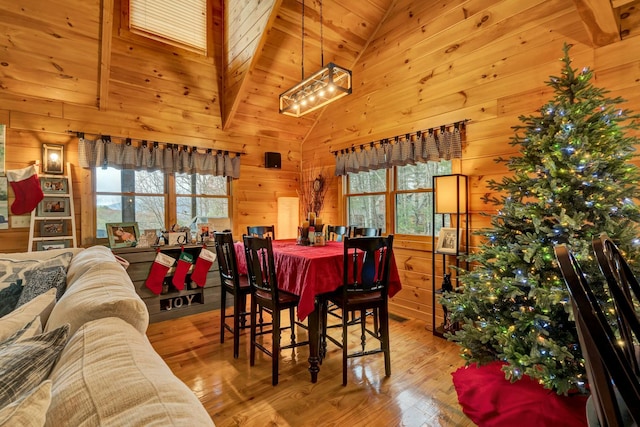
<point x="308" y="271"/>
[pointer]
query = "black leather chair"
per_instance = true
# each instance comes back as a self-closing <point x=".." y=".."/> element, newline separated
<point x="365" y="287"/>
<point x="337" y="233"/>
<point x="234" y="284"/>
<point x="261" y="231"/>
<point x="611" y="367"/>
<point x="266" y="295"/>
<point x="366" y="232"/>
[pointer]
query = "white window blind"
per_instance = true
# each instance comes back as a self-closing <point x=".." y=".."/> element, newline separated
<point x="183" y="22"/>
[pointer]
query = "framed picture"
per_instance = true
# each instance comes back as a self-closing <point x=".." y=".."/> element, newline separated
<point x="447" y="242"/>
<point x="53" y="206"/>
<point x="54" y="185"/>
<point x="53" y="228"/>
<point x="52" y="244"/>
<point x="123" y="234"/>
<point x="52" y="158"/>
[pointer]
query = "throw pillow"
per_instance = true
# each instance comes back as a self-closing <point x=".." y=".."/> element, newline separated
<point x="39" y="306"/>
<point x="11" y="270"/>
<point x="40" y="281"/>
<point x="30" y="410"/>
<point x="9" y="297"/>
<point x="27" y="363"/>
<point x="29" y="330"/>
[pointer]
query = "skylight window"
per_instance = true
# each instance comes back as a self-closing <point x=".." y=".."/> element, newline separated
<point x="180" y="23"/>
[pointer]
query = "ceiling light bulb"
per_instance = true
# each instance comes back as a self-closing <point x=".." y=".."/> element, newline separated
<point x="331" y="88"/>
<point x="321" y="93"/>
<point x="312" y="98"/>
<point x="303" y="102"/>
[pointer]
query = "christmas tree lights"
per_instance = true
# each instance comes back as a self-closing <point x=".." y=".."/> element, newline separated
<point x="572" y="181"/>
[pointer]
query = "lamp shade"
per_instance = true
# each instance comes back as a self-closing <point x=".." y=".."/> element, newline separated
<point x="450" y="193"/>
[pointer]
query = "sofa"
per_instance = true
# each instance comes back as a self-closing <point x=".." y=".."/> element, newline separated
<point x="73" y="351"/>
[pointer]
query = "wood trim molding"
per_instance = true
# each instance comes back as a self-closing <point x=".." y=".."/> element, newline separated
<point x="106" y="33"/>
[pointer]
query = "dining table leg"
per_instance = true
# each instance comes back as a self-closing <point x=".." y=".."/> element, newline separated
<point x="314" y="342"/>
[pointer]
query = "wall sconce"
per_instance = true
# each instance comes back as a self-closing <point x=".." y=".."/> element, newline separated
<point x="451" y="193"/>
<point x="52" y="159"/>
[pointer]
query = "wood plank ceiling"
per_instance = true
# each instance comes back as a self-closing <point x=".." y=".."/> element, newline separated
<point x="263" y="51"/>
<point x="48" y="57"/>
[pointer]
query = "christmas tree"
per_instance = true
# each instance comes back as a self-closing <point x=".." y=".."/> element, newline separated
<point x="572" y="181"/>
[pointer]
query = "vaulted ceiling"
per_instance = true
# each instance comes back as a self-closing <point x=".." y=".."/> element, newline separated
<point x="72" y="64"/>
<point x="262" y="50"/>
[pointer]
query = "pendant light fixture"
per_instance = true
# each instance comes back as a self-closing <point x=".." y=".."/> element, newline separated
<point x="329" y="84"/>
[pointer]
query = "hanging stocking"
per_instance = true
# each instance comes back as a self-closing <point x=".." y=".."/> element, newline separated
<point x="26" y="188"/>
<point x="203" y="264"/>
<point x="158" y="271"/>
<point x="184" y="263"/>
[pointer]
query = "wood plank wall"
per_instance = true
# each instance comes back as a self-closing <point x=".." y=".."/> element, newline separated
<point x="50" y="85"/>
<point x="430" y="63"/>
<point x="434" y="63"/>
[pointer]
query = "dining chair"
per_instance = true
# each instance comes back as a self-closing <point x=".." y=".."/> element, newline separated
<point x="261" y="231"/>
<point x="614" y="384"/>
<point x="366" y="232"/>
<point x="337" y="233"/>
<point x="266" y="295"/>
<point x="232" y="283"/>
<point x="366" y="264"/>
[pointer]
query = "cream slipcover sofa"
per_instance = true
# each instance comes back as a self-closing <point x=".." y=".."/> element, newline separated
<point x="107" y="374"/>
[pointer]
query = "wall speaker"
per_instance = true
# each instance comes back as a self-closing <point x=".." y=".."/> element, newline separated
<point x="272" y="160"/>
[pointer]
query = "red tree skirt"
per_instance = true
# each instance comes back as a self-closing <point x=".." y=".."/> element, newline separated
<point x="490" y="400"/>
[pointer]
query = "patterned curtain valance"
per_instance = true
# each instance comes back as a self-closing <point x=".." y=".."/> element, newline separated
<point x="432" y="145"/>
<point x="169" y="158"/>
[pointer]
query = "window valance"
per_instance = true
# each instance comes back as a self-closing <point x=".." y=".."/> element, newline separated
<point x="432" y="145"/>
<point x="170" y="158"/>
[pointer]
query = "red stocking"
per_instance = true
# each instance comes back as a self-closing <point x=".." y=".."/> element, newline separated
<point x="203" y="264"/>
<point x="184" y="263"/>
<point x="159" y="269"/>
<point x="26" y="188"/>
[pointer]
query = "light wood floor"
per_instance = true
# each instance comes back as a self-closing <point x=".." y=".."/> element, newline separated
<point x="418" y="393"/>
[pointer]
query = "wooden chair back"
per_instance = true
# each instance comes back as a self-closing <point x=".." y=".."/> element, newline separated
<point x="366" y="232"/>
<point x="615" y="387"/>
<point x="366" y="265"/>
<point x="337" y="233"/>
<point x="227" y="262"/>
<point x="262" y="231"/>
<point x="261" y="269"/>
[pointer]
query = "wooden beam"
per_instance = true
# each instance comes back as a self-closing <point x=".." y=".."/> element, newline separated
<point x="600" y="20"/>
<point x="106" y="31"/>
<point x="229" y="111"/>
<point x="620" y="3"/>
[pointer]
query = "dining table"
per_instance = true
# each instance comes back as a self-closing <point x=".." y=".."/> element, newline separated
<point x="310" y="271"/>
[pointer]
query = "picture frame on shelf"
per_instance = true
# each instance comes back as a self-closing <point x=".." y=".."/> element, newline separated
<point x="52" y="228"/>
<point x="54" y="185"/>
<point x="53" y="206"/>
<point x="447" y="241"/>
<point x="52" y="244"/>
<point x="122" y="234"/>
<point x="53" y="159"/>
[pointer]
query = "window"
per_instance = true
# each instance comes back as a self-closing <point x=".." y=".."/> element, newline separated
<point x="414" y="198"/>
<point x="366" y="199"/>
<point x="204" y="196"/>
<point x="369" y="194"/>
<point x="179" y="23"/>
<point x="143" y="197"/>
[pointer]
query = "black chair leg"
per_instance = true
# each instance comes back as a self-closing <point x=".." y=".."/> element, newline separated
<point x="292" y="319"/>
<point x="252" y="352"/>
<point x="345" y="321"/>
<point x="237" y="324"/>
<point x="363" y="329"/>
<point x="223" y="304"/>
<point x="384" y="335"/>
<point x="275" y="350"/>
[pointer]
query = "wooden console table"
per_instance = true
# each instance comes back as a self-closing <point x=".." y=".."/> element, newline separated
<point x="171" y="303"/>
